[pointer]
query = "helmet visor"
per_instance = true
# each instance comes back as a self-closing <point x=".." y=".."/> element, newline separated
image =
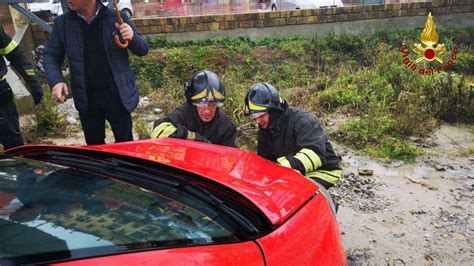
<point x="208" y="104"/>
<point x="256" y="114"/>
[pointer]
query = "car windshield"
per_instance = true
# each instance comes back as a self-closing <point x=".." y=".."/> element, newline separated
<point x="49" y="213"/>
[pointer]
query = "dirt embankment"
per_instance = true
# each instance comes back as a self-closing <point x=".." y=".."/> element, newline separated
<point x="410" y="214"/>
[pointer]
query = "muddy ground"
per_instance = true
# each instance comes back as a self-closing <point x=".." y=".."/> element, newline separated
<point x="417" y="213"/>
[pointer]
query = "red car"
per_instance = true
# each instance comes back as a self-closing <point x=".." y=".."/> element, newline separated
<point x="163" y="202"/>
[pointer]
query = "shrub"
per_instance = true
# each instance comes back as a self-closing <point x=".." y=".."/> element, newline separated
<point x="362" y="76"/>
<point x="393" y="148"/>
<point x="464" y="63"/>
<point x="451" y="99"/>
<point x="48" y="119"/>
<point x="142" y="128"/>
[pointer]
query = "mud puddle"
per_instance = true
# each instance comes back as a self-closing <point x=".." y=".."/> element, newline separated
<point x="417" y="213"/>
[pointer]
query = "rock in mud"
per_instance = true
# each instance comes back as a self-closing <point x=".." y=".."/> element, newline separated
<point x="143" y="102"/>
<point x="358" y="256"/>
<point x="360" y="193"/>
<point x="365" y="171"/>
<point x="68" y="108"/>
<point x="71" y="120"/>
<point x="439" y="167"/>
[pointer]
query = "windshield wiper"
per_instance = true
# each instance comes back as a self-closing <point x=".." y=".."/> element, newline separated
<point x="124" y="170"/>
<point x="213" y="200"/>
<point x="143" y="176"/>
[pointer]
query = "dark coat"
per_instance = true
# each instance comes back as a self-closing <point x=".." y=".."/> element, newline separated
<point x="10" y="50"/>
<point x="67" y="39"/>
<point x="219" y="130"/>
<point x="292" y="131"/>
<point x="10" y="134"/>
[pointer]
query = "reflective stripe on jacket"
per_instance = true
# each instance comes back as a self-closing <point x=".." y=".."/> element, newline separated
<point x="9" y="50"/>
<point x="297" y="140"/>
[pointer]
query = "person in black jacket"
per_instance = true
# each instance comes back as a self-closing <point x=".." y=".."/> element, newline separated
<point x="291" y="137"/>
<point x="10" y="134"/>
<point x="199" y="118"/>
<point x="102" y="83"/>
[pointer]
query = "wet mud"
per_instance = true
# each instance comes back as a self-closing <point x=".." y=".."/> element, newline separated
<point x="417" y="213"/>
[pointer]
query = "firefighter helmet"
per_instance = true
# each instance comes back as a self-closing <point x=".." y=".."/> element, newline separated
<point x="261" y="98"/>
<point x="204" y="86"/>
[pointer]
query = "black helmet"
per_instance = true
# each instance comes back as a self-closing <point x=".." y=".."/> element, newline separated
<point x="263" y="97"/>
<point x="204" y="86"/>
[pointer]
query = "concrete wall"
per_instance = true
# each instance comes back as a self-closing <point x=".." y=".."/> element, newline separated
<point x="308" y="22"/>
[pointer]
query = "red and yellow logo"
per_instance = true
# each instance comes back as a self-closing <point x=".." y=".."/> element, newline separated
<point x="428" y="51"/>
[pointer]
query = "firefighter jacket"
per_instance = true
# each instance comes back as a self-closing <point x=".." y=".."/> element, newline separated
<point x="184" y="123"/>
<point x="8" y="49"/>
<point x="296" y="140"/>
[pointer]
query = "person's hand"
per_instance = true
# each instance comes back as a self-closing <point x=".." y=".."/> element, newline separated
<point x="201" y="138"/>
<point x="37" y="93"/>
<point x="59" y="90"/>
<point x="125" y="30"/>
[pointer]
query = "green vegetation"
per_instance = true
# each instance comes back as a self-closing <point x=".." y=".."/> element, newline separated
<point x="48" y="119"/>
<point x="363" y="77"/>
<point x="142" y="128"/>
<point x="467" y="152"/>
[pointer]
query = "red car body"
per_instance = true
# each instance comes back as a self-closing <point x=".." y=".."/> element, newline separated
<point x="305" y="230"/>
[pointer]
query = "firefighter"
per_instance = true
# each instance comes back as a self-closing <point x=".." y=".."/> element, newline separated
<point x="10" y="134"/>
<point x="291" y="137"/>
<point x="199" y="118"/>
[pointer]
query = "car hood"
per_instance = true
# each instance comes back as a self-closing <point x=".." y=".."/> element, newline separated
<point x="277" y="191"/>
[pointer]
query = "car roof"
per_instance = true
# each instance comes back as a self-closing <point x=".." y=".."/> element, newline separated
<point x="277" y="191"/>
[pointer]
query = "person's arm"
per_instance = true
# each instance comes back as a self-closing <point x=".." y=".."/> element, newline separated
<point x="163" y="128"/>
<point x="53" y="59"/>
<point x="54" y="56"/>
<point x="228" y="138"/>
<point x="312" y="139"/>
<point x="261" y="149"/>
<point x="173" y="126"/>
<point x="12" y="52"/>
<point x="138" y="44"/>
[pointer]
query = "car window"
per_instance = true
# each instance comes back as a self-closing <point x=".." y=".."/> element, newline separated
<point x="49" y="212"/>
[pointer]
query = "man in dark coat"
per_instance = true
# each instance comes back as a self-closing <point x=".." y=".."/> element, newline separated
<point x="199" y="118"/>
<point x="103" y="87"/>
<point x="291" y="137"/>
<point x="10" y="134"/>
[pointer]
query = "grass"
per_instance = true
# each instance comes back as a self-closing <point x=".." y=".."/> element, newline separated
<point x="469" y="152"/>
<point x="361" y="76"/>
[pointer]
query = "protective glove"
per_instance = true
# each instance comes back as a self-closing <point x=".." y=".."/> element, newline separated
<point x="202" y="138"/>
<point x="196" y="136"/>
<point x="37" y="93"/>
